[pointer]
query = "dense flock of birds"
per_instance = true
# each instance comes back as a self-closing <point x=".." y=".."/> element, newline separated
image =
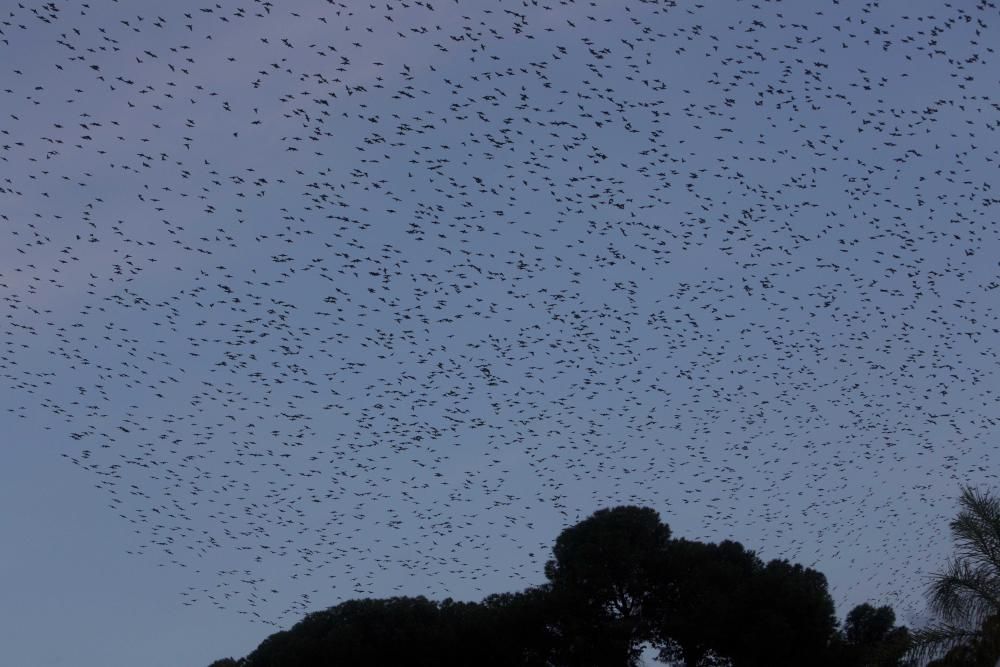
<point x="339" y="299"/>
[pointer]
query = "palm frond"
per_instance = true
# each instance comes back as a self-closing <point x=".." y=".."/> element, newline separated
<point x="936" y="640"/>
<point x="976" y="529"/>
<point x="965" y="594"/>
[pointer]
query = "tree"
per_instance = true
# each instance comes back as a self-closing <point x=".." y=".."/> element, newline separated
<point x="866" y="625"/>
<point x="521" y="627"/>
<point x="722" y="600"/>
<point x="705" y="589"/>
<point x="399" y="630"/>
<point x="966" y="595"/>
<point x="870" y="638"/>
<point x="508" y="630"/>
<point x="791" y="617"/>
<point x="603" y="579"/>
<point x="616" y="581"/>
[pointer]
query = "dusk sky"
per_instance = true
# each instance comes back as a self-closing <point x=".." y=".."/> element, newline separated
<point x="310" y="301"/>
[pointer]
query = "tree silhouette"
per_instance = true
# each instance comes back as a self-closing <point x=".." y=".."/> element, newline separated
<point x="791" y="617"/>
<point x="603" y="579"/>
<point x="522" y="625"/>
<point x="980" y="651"/>
<point x="361" y="632"/>
<point x="966" y="595"/>
<point x="508" y="630"/>
<point x="870" y="638"/>
<point x="706" y="595"/>
<point x="866" y="625"/>
<point x="616" y="580"/>
<point x="724" y="601"/>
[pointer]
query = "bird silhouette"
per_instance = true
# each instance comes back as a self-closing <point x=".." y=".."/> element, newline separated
<point x="362" y="299"/>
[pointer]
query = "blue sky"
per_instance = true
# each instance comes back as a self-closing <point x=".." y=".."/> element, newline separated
<point x="310" y="302"/>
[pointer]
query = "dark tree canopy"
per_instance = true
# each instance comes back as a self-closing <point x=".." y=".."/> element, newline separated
<point x="869" y="638"/>
<point x="603" y="578"/>
<point x="705" y="592"/>
<point x="723" y="600"/>
<point x="793" y="615"/>
<point x="505" y="630"/>
<point x="981" y="650"/>
<point x="616" y="581"/>
<point x="866" y="625"/>
<point x="610" y="558"/>
<point x="359" y="632"/>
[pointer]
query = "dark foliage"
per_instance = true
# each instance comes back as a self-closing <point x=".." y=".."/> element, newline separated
<point x="410" y="631"/>
<point x="603" y="579"/>
<point x="616" y="581"/>
<point x="705" y="587"/>
<point x="980" y="651"/>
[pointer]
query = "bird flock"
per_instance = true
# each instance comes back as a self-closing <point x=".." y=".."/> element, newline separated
<point x="343" y="299"/>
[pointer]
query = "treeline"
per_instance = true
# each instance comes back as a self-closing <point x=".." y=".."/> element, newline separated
<point x="617" y="581"/>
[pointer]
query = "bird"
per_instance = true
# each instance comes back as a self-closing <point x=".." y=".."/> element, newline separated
<point x="383" y="306"/>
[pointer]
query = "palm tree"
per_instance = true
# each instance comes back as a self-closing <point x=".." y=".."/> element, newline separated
<point x="966" y="595"/>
